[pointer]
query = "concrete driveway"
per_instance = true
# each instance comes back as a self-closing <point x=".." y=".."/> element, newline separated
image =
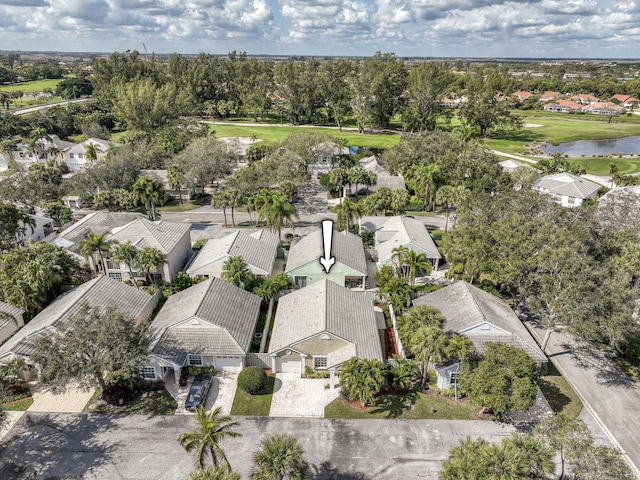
<point x="221" y="393"/>
<point x="294" y="396"/>
<point x="72" y="401"/>
<point x="143" y="447"/>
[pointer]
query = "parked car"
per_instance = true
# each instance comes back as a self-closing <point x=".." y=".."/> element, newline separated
<point x="198" y="392"/>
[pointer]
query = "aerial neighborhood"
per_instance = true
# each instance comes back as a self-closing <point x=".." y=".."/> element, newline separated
<point x="436" y="261"/>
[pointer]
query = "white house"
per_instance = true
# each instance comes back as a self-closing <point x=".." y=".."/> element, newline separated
<point x="76" y="156"/>
<point x="43" y="228"/>
<point x="566" y="189"/>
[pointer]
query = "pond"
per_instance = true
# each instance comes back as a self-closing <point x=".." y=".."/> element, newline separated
<point x="591" y="148"/>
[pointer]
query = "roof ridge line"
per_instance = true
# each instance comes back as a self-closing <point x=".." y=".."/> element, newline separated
<point x="475" y="302"/>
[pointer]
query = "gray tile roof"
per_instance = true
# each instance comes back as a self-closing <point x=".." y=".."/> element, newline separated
<point x="327" y="307"/>
<point x="98" y="293"/>
<point x="211" y="318"/>
<point x="383" y="177"/>
<point x="393" y="232"/>
<point x="465" y="306"/>
<point x="98" y="222"/>
<point x="567" y="184"/>
<point x="143" y="233"/>
<point x="347" y="249"/>
<point x="258" y="251"/>
<point x="10" y="309"/>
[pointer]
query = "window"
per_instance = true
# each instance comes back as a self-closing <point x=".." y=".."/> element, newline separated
<point x="116" y="276"/>
<point x="319" y="363"/>
<point x="300" y="282"/>
<point x="149" y="373"/>
<point x="79" y="155"/>
<point x="112" y="265"/>
<point x="71" y="155"/>
<point x="195" y="360"/>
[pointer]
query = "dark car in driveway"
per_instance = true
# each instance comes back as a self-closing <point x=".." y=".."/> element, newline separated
<point x="198" y="391"/>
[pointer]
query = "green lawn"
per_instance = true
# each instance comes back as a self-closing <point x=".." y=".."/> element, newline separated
<point x="32" y="87"/>
<point x="186" y="205"/>
<point x="149" y="403"/>
<point x="18" y="406"/>
<point x="394" y="406"/>
<point x="277" y="133"/>
<point x="258" y="405"/>
<point x="559" y="394"/>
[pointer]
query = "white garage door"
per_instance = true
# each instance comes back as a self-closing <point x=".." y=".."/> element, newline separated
<point x="287" y="365"/>
<point x="230" y="364"/>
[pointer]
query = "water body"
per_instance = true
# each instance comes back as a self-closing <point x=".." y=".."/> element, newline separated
<point x="591" y="148"/>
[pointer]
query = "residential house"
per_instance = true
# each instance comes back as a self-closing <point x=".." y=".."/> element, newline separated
<point x="603" y="108"/>
<point x="239" y="147"/>
<point x="350" y="269"/>
<point x="511" y="165"/>
<point x="521" y="96"/>
<point x="566" y="189"/>
<point x="172" y="239"/>
<point x="209" y="324"/>
<point x="97" y="293"/>
<point x="383" y="177"/>
<point x="565" y="106"/>
<point x="76" y="156"/>
<point x="325" y="156"/>
<point x="453" y="101"/>
<point x="584" y="99"/>
<point x="481" y="317"/>
<point x="258" y="249"/>
<point x="10" y="320"/>
<point x="626" y="101"/>
<point x="549" y="96"/>
<point x="25" y="156"/>
<point x="323" y="325"/>
<point x="74" y="202"/>
<point x="400" y="231"/>
<point x="43" y="228"/>
<point x="169" y="193"/>
<point x="97" y="222"/>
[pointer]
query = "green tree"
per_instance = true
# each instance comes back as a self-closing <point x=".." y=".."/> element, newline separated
<point x="92" y="344"/>
<point x="91" y="152"/>
<point x="504" y="380"/>
<point x="271" y="286"/>
<point x="334" y="88"/>
<point x="95" y="243"/>
<point x="423" y="179"/>
<point x="538" y="456"/>
<point x="149" y="192"/>
<point x="281" y="458"/>
<point x="399" y="201"/>
<point x="276" y="211"/>
<point x="427" y="84"/>
<point x="403" y="373"/>
<point x="128" y="254"/>
<point x="204" y="442"/>
<point x="213" y="473"/>
<point x="236" y="272"/>
<point x="463" y="461"/>
<point x="458" y="348"/>
<point x="221" y="200"/>
<point x="176" y="178"/>
<point x="449" y="196"/>
<point x="348" y="212"/>
<point x="361" y="378"/>
<point x="149" y="259"/>
<point x="411" y="263"/>
<point x="14" y="223"/>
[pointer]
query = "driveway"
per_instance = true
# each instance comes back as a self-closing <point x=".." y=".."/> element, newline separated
<point x="142" y="447"/>
<point x="221" y="393"/>
<point x="294" y="396"/>
<point x="72" y="401"/>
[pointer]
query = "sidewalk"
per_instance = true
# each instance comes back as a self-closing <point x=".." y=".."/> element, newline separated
<point x="609" y="395"/>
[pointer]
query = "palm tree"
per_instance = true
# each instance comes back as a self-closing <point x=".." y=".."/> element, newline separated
<point x="357" y="175"/>
<point x="463" y="463"/>
<point x="537" y="454"/>
<point x="271" y="287"/>
<point x="126" y="253"/>
<point x="348" y="212"/>
<point x="426" y="175"/>
<point x="276" y="211"/>
<point x="280" y="459"/>
<point x="503" y="462"/>
<point x="234" y="198"/>
<point x="361" y="379"/>
<point x="95" y="243"/>
<point x="213" y="473"/>
<point x="220" y="200"/>
<point x="149" y="192"/>
<point x="411" y="263"/>
<point x="236" y="272"/>
<point x="204" y="442"/>
<point x="91" y="152"/>
<point x="403" y="373"/>
<point x="448" y="196"/>
<point x="54" y="151"/>
<point x="38" y="143"/>
<point x="175" y="177"/>
<point x="148" y="259"/>
<point x="458" y="348"/>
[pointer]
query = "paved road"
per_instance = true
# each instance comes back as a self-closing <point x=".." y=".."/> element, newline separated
<point x="610" y="396"/>
<point x="24" y="111"/>
<point x="140" y="447"/>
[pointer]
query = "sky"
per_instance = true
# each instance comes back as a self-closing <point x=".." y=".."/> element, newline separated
<point x="424" y="28"/>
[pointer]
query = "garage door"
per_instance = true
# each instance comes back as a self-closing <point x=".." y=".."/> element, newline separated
<point x="288" y="365"/>
<point x="229" y="364"/>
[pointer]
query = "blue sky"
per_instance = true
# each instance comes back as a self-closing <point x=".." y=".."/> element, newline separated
<point x="441" y="28"/>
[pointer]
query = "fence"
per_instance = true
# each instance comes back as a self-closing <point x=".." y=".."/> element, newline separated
<point x="262" y="360"/>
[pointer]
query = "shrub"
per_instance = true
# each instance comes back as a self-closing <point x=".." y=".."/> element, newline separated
<point x="415" y="206"/>
<point x="311" y="373"/>
<point x="119" y="389"/>
<point x="193" y="370"/>
<point x="198" y="244"/>
<point x="252" y="380"/>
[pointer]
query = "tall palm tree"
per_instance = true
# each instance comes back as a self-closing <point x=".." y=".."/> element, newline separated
<point x="449" y="196"/>
<point x="234" y="199"/>
<point x="458" y="348"/>
<point x="348" y="212"/>
<point x="537" y="454"/>
<point x="427" y="345"/>
<point x="175" y="177"/>
<point x="411" y="263"/>
<point x="204" y="442"/>
<point x="149" y="192"/>
<point x="357" y="175"/>
<point x="91" y="152"/>
<point x="148" y="259"/>
<point x="280" y="459"/>
<point x="361" y="379"/>
<point x="126" y="253"/>
<point x="236" y="272"/>
<point x="213" y="473"/>
<point x="221" y="200"/>
<point x="276" y="211"/>
<point x="38" y="143"/>
<point x="55" y="152"/>
<point x="95" y="243"/>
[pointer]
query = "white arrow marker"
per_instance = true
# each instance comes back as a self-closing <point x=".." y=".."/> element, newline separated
<point x="327" y="260"/>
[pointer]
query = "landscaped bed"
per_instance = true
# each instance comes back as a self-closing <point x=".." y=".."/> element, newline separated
<point x="148" y="403"/>
<point x="258" y="405"/>
<point x="422" y="406"/>
<point x="18" y="405"/>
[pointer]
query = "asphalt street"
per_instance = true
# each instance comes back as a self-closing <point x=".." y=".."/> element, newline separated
<point x="139" y="447"/>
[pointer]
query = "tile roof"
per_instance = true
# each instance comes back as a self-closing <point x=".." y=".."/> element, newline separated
<point x="98" y="222"/>
<point x="143" y="233"/>
<point x="258" y="250"/>
<point x="566" y="184"/>
<point x="347" y="248"/>
<point x="383" y="177"/>
<point x="465" y="306"/>
<point x="98" y="293"/>
<point x="392" y="232"/>
<point x="212" y="318"/>
<point x="328" y="307"/>
<point x="13" y="313"/>
<point x="565" y="104"/>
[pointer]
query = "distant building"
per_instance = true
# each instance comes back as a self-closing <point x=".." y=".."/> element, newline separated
<point x="566" y="189"/>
